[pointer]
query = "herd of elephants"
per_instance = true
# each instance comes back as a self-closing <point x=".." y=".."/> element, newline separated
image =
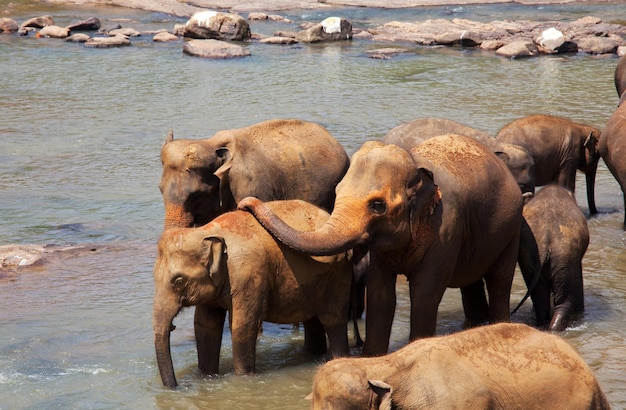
<point x="274" y="222"/>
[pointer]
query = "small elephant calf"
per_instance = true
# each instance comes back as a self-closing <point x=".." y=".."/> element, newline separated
<point x="555" y="238"/>
<point x="502" y="366"/>
<point x="233" y="265"/>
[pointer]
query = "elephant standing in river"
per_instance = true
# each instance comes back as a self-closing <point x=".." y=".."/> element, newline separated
<point x="620" y="77"/>
<point x="504" y="366"/>
<point x="272" y="160"/>
<point x="612" y="147"/>
<point x="446" y="214"/>
<point x="559" y="147"/>
<point x="233" y="265"/>
<point x="517" y="158"/>
<point x="560" y="236"/>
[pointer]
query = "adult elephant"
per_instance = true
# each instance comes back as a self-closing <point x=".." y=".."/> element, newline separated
<point x="272" y="160"/>
<point x="517" y="158"/>
<point x="233" y="265"/>
<point x="446" y="214"/>
<point x="559" y="235"/>
<point x="612" y="147"/>
<point x="559" y="147"/>
<point x="620" y="76"/>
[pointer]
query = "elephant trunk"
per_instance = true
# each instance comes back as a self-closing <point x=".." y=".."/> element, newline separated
<point x="176" y="216"/>
<point x="162" y="322"/>
<point x="339" y="234"/>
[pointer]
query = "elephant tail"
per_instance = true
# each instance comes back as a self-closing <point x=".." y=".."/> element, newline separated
<point x="529" y="262"/>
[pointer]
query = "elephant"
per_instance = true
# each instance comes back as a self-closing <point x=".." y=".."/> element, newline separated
<point x="233" y="265"/>
<point x="559" y="147"/>
<point x="446" y="214"/>
<point x="501" y="366"/>
<point x="559" y="238"/>
<point x="517" y="158"/>
<point x="612" y="149"/>
<point x="620" y="77"/>
<point x="273" y="160"/>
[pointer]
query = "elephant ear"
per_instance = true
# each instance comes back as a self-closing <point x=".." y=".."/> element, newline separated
<point x="504" y="157"/>
<point x="380" y="395"/>
<point x="212" y="256"/>
<point x="225" y="161"/>
<point x="591" y="143"/>
<point x="424" y="194"/>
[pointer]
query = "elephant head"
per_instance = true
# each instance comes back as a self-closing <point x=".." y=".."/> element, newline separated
<point x="519" y="161"/>
<point x="186" y="273"/>
<point x="379" y="205"/>
<point x="194" y="182"/>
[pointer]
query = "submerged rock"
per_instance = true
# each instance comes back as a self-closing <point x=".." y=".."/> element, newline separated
<point x="214" y="49"/>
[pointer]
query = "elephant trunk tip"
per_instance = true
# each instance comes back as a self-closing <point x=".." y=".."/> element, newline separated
<point x="248" y="203"/>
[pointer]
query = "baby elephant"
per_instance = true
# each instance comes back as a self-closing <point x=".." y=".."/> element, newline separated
<point x="502" y="366"/>
<point x="559" y="238"/>
<point x="233" y="265"/>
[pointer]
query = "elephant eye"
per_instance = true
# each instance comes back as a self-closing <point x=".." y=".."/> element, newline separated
<point x="378" y="206"/>
<point x="177" y="281"/>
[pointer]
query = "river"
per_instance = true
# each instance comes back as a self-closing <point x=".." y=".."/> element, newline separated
<point x="80" y="136"/>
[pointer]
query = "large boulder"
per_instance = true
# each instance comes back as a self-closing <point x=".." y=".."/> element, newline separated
<point x="8" y="25"/>
<point x="89" y="24"/>
<point x="331" y="29"/>
<point x="215" y="49"/>
<point x="38" y="22"/>
<point x="518" y="48"/>
<point x="54" y="32"/>
<point x="217" y="26"/>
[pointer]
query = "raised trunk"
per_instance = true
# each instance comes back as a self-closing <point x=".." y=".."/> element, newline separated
<point x="339" y="234"/>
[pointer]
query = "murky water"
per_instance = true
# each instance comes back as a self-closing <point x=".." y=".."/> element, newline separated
<point x="80" y="133"/>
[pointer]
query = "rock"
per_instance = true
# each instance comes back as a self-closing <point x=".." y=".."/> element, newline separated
<point x="179" y="30"/>
<point x="621" y="51"/>
<point x="38" y="22"/>
<point x="110" y="27"/>
<point x="385" y="53"/>
<point x="54" y="32"/>
<point x="217" y="26"/>
<point x="257" y="16"/>
<point x="8" y="25"/>
<point x="278" y="40"/>
<point x="331" y="29"/>
<point x="216" y="49"/>
<point x="126" y="31"/>
<point x="491" y="44"/>
<point x="518" y="48"/>
<point x="550" y="41"/>
<point x="78" y="38"/>
<point x="597" y="45"/>
<point x="89" y="24"/>
<point x="164" y="37"/>
<point x="107" y="42"/>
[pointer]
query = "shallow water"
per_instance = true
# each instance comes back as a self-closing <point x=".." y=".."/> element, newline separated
<point x="81" y="131"/>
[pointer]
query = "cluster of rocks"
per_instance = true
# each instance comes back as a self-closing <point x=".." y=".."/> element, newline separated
<point x="215" y="34"/>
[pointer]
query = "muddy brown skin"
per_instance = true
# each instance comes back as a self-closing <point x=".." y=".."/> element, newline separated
<point x="233" y="265"/>
<point x="620" y="76"/>
<point x="560" y="233"/>
<point x="517" y="158"/>
<point x="612" y="147"/>
<point x="559" y="147"/>
<point x="429" y="215"/>
<point x="502" y="366"/>
<point x="273" y="160"/>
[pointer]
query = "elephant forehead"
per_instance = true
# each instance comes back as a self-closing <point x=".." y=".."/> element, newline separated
<point x="378" y="159"/>
<point x="180" y="154"/>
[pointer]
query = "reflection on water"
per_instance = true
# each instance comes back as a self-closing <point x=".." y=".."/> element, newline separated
<point x="81" y="131"/>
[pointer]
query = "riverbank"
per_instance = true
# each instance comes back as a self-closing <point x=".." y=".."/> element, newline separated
<point x="185" y="8"/>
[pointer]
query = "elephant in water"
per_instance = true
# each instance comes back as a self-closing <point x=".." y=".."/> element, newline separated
<point x="272" y="160"/>
<point x="559" y="147"/>
<point x="559" y="234"/>
<point x="504" y="366"/>
<point x="517" y="158"/>
<point x="620" y="77"/>
<point x="233" y="265"/>
<point x="430" y="214"/>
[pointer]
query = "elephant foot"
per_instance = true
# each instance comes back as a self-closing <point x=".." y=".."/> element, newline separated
<point x="314" y="337"/>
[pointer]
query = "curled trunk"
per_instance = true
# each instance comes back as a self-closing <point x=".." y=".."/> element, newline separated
<point x="337" y="235"/>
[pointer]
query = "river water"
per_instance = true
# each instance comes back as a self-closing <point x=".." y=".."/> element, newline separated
<point x="81" y="130"/>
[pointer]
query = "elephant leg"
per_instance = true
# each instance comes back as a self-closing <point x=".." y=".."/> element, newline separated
<point x="536" y="278"/>
<point x="426" y="293"/>
<point x="338" y="339"/>
<point x="314" y="336"/>
<point x="381" y="307"/>
<point x="568" y="292"/>
<point x="590" y="178"/>
<point x="475" y="304"/>
<point x="499" y="280"/>
<point x="244" y="328"/>
<point x="209" y="326"/>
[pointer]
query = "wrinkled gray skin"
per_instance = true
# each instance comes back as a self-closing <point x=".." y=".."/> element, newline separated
<point x="427" y="214"/>
<point x="497" y="367"/>
<point x="612" y="147"/>
<point x="620" y="76"/>
<point x="559" y="147"/>
<point x="517" y="158"/>
<point x="273" y="160"/>
<point x="560" y="236"/>
<point x="233" y="265"/>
